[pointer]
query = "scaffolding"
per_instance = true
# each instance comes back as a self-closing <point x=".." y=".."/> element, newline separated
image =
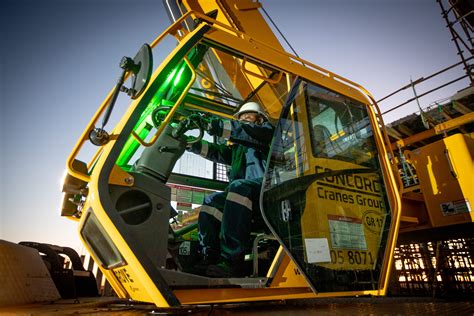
<point x="459" y="18"/>
<point x="435" y="268"/>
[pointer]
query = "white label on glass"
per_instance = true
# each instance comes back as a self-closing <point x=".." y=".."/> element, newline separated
<point x="317" y="250"/>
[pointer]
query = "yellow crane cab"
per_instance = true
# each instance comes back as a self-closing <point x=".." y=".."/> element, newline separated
<point x="329" y="200"/>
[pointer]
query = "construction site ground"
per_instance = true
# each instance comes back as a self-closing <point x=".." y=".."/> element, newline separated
<point x="341" y="306"/>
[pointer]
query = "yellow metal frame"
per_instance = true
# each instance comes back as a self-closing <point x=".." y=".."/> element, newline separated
<point x="393" y="191"/>
<point x="254" y="74"/>
<point x="152" y="294"/>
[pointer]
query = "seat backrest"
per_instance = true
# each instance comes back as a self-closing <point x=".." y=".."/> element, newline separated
<point x="321" y="140"/>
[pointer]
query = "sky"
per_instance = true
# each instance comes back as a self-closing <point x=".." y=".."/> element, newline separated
<point x="59" y="59"/>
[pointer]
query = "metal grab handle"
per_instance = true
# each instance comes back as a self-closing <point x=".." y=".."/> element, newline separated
<point x="172" y="111"/>
<point x="85" y="136"/>
<point x="450" y="163"/>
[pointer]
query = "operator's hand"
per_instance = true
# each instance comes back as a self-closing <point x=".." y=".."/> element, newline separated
<point x="214" y="127"/>
<point x="189" y="141"/>
<point x="199" y="120"/>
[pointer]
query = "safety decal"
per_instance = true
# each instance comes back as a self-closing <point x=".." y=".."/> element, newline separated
<point x="455" y="207"/>
<point x="346" y="232"/>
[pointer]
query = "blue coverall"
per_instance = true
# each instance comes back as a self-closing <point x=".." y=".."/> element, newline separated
<point x="226" y="217"/>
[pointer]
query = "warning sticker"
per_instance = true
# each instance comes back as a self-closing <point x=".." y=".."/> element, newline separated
<point x="455" y="207"/>
<point x="346" y="232"/>
<point x="185" y="248"/>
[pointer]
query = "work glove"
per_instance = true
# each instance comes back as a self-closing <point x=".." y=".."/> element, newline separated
<point x="189" y="142"/>
<point x="214" y="127"/>
<point x="199" y="120"/>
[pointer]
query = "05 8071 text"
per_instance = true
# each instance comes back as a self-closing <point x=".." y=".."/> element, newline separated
<point x="351" y="257"/>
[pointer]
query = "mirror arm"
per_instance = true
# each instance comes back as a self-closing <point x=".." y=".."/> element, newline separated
<point x="126" y="64"/>
<point x="99" y="136"/>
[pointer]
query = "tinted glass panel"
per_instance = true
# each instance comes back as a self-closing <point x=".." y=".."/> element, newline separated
<point x="324" y="193"/>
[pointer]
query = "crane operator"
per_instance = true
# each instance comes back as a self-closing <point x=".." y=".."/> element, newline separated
<point x="225" y="218"/>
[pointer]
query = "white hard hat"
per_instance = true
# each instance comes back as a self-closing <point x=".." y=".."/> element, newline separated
<point x="251" y="107"/>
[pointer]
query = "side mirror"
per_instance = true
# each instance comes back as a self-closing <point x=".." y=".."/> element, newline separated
<point x="141" y="71"/>
<point x="140" y="68"/>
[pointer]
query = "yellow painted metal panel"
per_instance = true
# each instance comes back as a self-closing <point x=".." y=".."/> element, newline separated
<point x="229" y="295"/>
<point x="131" y="278"/>
<point x="288" y="275"/>
<point x="445" y="169"/>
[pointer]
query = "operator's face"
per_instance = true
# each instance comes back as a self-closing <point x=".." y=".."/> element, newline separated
<point x="251" y="117"/>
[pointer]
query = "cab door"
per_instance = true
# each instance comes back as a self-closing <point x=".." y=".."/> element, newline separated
<point x="325" y="194"/>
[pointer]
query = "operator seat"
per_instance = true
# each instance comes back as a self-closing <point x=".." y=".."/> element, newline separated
<point x="322" y="144"/>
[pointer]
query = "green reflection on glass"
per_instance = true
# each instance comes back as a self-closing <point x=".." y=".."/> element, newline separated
<point x="165" y="95"/>
<point x="178" y="77"/>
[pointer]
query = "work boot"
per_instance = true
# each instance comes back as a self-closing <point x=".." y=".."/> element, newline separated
<point x="200" y="268"/>
<point x="226" y="269"/>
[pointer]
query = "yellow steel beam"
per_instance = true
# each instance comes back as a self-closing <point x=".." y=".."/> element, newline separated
<point x="438" y="129"/>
